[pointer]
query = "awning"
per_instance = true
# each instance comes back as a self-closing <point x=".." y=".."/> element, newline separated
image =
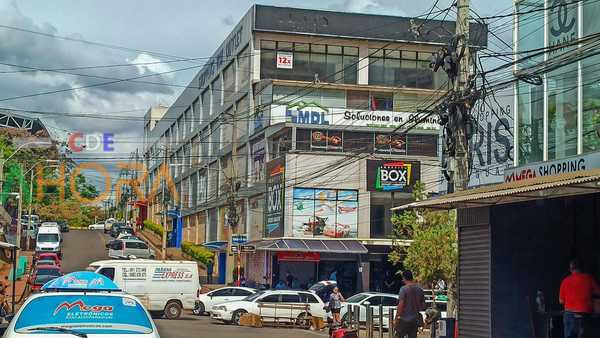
<point x="541" y="187"/>
<point x="216" y="245"/>
<point x="311" y="245"/>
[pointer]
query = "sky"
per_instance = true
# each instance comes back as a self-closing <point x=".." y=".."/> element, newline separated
<point x="150" y="31"/>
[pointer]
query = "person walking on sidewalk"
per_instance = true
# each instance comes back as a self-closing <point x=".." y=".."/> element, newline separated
<point x="411" y="301"/>
<point x="335" y="304"/>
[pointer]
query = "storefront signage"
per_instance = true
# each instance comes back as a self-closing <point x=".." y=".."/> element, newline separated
<point x="275" y="196"/>
<point x="315" y="114"/>
<point x="285" y="60"/>
<point x="298" y="256"/>
<point x="239" y="239"/>
<point x="549" y="168"/>
<point x="562" y="23"/>
<point x="394" y="175"/>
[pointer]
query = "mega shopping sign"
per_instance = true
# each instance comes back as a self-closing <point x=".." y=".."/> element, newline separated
<point x="393" y="175"/>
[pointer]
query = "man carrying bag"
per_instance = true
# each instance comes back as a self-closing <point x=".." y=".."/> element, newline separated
<point x="411" y="301"/>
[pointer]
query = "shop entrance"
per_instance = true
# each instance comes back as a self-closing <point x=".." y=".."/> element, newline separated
<point x="532" y="244"/>
<point x="345" y="273"/>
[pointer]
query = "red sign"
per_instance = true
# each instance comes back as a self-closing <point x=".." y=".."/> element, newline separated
<point x="298" y="256"/>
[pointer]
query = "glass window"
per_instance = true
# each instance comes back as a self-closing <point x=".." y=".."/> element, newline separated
<point x="374" y="301"/>
<point x="241" y="113"/>
<point x="197" y="110"/>
<point x="303" y="139"/>
<point x="217" y="95"/>
<point x="268" y="65"/>
<point x="591" y="82"/>
<point x="382" y="101"/>
<point x="222" y="293"/>
<point x="308" y="298"/>
<point x="226" y="128"/>
<point x="285" y="298"/>
<point x="229" y="79"/>
<point x="419" y="144"/>
<point x="241" y="293"/>
<point x="530" y="101"/>
<point x="215" y="138"/>
<point x="357" y="99"/>
<point x="390" y="301"/>
<point x="265" y="44"/>
<point x="244" y="70"/>
<point x="206" y="105"/>
<point x="562" y="112"/>
<point x="270" y="299"/>
<point x="333" y="98"/>
<point x="108" y="272"/>
<point x="358" y="142"/>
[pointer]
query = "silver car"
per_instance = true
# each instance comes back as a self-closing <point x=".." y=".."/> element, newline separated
<point x="127" y="248"/>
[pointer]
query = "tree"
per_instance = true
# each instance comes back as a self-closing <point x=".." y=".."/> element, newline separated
<point x="433" y="252"/>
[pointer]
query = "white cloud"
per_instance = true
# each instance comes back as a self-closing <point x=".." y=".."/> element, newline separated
<point x="152" y="65"/>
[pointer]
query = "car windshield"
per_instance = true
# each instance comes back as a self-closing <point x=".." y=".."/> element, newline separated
<point x="47" y="238"/>
<point x="45" y="262"/>
<point x="43" y="279"/>
<point x="47" y="272"/>
<point x="253" y="297"/>
<point x="357" y="298"/>
<point x="89" y="314"/>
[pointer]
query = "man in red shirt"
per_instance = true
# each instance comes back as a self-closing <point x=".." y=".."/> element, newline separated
<point x="576" y="294"/>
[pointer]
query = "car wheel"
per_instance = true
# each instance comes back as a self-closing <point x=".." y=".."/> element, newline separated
<point x="303" y="320"/>
<point x="235" y="317"/>
<point x="172" y="310"/>
<point x="200" y="309"/>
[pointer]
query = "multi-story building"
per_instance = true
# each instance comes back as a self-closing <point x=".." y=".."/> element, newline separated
<point x="309" y="112"/>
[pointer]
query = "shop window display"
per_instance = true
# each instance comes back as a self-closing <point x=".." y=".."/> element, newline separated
<point x="325" y="213"/>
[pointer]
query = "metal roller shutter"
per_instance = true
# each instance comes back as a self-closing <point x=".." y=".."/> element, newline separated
<point x="474" y="316"/>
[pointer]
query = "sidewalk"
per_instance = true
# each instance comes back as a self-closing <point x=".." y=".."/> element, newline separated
<point x="21" y="283"/>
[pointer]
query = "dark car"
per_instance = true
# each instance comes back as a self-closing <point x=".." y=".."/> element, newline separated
<point x="115" y="230"/>
<point x="64" y="226"/>
<point x="43" y="274"/>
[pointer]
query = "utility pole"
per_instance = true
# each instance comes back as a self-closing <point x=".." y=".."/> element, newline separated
<point x="164" y="202"/>
<point x="1" y="177"/>
<point x="233" y="217"/>
<point x="460" y="161"/>
<point x="29" y="227"/>
<point x="20" y="209"/>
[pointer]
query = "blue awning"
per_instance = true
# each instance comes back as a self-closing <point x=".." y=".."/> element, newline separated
<point x="216" y="245"/>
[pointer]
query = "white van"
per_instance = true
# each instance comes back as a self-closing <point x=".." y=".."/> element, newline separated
<point x="162" y="286"/>
<point x="48" y="240"/>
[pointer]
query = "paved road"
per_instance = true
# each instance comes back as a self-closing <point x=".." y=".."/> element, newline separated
<point x="81" y="247"/>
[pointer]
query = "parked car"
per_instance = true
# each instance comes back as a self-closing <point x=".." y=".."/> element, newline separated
<point x="125" y="231"/>
<point x="123" y="236"/>
<point x="108" y="224"/>
<point x="206" y="301"/>
<point x="124" y="248"/>
<point x="48" y="240"/>
<point x="96" y="226"/>
<point x="81" y="313"/>
<point x="372" y="299"/>
<point x="323" y="289"/>
<point x="232" y="311"/>
<point x="116" y="227"/>
<point x="163" y="286"/>
<point x="64" y="226"/>
<point x="43" y="274"/>
<point x="48" y="257"/>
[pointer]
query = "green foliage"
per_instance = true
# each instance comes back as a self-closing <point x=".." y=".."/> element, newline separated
<point x="198" y="253"/>
<point x="432" y="254"/>
<point x="155" y="228"/>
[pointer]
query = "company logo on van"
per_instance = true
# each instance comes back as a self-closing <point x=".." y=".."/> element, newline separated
<point x="171" y="274"/>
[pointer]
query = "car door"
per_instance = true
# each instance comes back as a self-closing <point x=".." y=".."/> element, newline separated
<point x="374" y="302"/>
<point x="388" y="304"/>
<point x="221" y="296"/>
<point x="142" y="250"/>
<point x="268" y="312"/>
<point x="291" y="307"/>
<point x="116" y="249"/>
<point x="316" y="307"/>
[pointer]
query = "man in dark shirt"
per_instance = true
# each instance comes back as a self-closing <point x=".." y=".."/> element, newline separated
<point x="411" y="301"/>
<point x="576" y="294"/>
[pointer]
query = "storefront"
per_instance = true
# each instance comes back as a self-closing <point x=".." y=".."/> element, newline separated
<point x="515" y="242"/>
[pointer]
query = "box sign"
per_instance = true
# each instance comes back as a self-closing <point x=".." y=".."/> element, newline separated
<point x="298" y="256"/>
<point x="315" y="114"/>
<point x="556" y="167"/>
<point x="395" y="175"/>
<point x="275" y="196"/>
<point x="237" y="239"/>
<point x="285" y="60"/>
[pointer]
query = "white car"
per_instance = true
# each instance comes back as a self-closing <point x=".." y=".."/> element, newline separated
<point x="82" y="314"/>
<point x="373" y="299"/>
<point x="232" y="311"/>
<point x="96" y="226"/>
<point x="206" y="301"/>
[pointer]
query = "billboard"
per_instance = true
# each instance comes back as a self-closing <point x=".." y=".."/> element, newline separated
<point x="312" y="113"/>
<point x="275" y="197"/>
<point x="328" y="213"/>
<point x="392" y="175"/>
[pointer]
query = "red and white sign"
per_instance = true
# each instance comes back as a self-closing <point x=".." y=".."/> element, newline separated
<point x="285" y="60"/>
<point x="298" y="256"/>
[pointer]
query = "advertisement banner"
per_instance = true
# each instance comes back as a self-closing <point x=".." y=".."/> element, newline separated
<point x="298" y="256"/>
<point x="556" y="167"/>
<point x="275" y="197"/>
<point x="393" y="175"/>
<point x="314" y="114"/>
<point x="325" y="213"/>
<point x="285" y="60"/>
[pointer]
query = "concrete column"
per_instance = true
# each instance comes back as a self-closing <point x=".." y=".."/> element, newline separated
<point x="363" y="64"/>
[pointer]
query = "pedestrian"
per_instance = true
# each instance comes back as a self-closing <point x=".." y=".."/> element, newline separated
<point x="289" y="279"/>
<point x="576" y="295"/>
<point x="335" y="304"/>
<point x="411" y="302"/>
<point x="333" y="275"/>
